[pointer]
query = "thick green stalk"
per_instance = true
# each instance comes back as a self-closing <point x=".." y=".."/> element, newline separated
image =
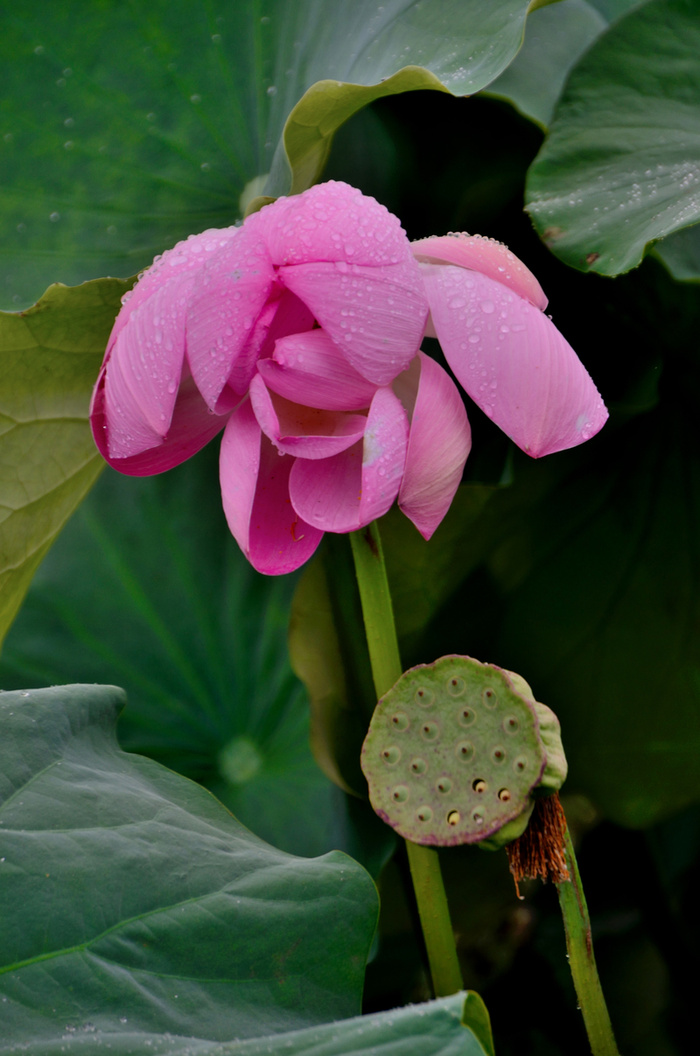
<point x="579" y="944"/>
<point x="386" y="670"/>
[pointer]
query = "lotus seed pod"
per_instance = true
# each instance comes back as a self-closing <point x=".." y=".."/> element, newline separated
<point x="454" y="752"/>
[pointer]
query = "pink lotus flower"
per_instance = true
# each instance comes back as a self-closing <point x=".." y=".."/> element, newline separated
<point x="298" y="334"/>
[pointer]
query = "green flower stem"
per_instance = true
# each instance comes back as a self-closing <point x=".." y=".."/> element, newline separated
<point x="579" y="944"/>
<point x="386" y="670"/>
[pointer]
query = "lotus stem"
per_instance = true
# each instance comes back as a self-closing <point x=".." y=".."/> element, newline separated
<point x="385" y="659"/>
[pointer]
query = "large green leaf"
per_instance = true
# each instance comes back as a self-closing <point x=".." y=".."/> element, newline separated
<point x="146" y="589"/>
<point x="140" y="916"/>
<point x="49" y="357"/>
<point x="126" y="127"/>
<point x="555" y="38"/>
<point x="132" y="901"/>
<point x="621" y="165"/>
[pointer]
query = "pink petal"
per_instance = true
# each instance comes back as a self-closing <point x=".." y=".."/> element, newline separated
<point x="438" y="446"/>
<point x="303" y="431"/>
<point x="185" y="257"/>
<point x="485" y="256"/>
<point x="229" y="315"/>
<point x="308" y="368"/>
<point x="346" y="492"/>
<point x="192" y="426"/>
<point x="142" y="370"/>
<point x="513" y="361"/>
<point x="375" y="315"/>
<point x="333" y="222"/>
<point x="255" y="494"/>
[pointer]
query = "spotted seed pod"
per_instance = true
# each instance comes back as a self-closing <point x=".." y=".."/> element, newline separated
<point x="456" y="752"/>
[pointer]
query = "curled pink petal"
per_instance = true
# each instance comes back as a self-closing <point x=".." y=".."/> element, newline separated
<point x="484" y="255"/>
<point x="306" y="432"/>
<point x="438" y="446"/>
<point x="191" y="427"/>
<point x="375" y="315"/>
<point x="347" y="491"/>
<point x="142" y="371"/>
<point x="513" y="361"/>
<point x="254" y="489"/>
<point x="308" y="368"/>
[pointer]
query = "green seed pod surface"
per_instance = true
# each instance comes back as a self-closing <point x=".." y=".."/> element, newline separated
<point x="453" y="753"/>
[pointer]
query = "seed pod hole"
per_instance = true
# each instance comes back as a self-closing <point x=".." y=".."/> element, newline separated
<point x="424" y="697"/>
<point x="444" y="785"/>
<point x="479" y="785"/>
<point x="456" y="686"/>
<point x="424" y="814"/>
<point x="453" y="818"/>
<point x="477" y="818"/>
<point x="391" y="755"/>
<point x="498" y="754"/>
<point x="418" y="765"/>
<point x="520" y="764"/>
<point x="511" y="725"/>
<point x="430" y="731"/>
<point x="400" y="794"/>
<point x="466" y="717"/>
<point x="489" y="698"/>
<point x="400" y="721"/>
<point x="464" y="751"/>
<point x="504" y="795"/>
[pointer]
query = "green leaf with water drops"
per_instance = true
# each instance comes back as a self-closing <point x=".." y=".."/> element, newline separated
<point x="109" y="154"/>
<point x="555" y="38"/>
<point x="50" y="357"/>
<point x="621" y="165"/>
<point x="136" y="905"/>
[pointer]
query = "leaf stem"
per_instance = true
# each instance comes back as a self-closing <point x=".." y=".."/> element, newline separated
<point x="579" y="944"/>
<point x="384" y="654"/>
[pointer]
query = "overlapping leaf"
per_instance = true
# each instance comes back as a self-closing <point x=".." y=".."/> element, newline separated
<point x="128" y="127"/>
<point x="134" y="901"/>
<point x="49" y="359"/>
<point x="621" y="165"/>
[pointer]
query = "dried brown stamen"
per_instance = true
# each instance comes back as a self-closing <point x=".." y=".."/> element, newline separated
<point x="539" y="853"/>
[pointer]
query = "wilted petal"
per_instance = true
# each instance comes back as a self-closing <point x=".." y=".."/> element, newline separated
<point x="438" y="445"/>
<point x="513" y="361"/>
<point x="375" y="315"/>
<point x="254" y="489"/>
<point x="346" y="492"/>
<point x="484" y="255"/>
<point x="192" y="426"/>
<point x="303" y="431"/>
<point x="308" y="368"/>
